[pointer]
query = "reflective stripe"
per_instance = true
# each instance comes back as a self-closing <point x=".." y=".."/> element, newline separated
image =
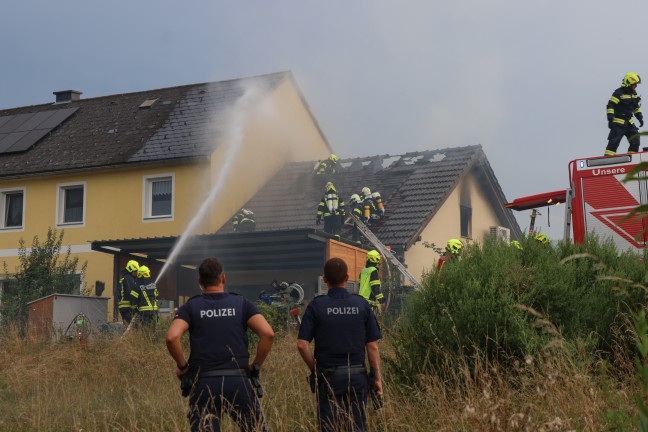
<point x="610" y="110"/>
<point x="614" y="99"/>
<point x="619" y="121"/>
<point x="609" y="153"/>
<point x="638" y="110"/>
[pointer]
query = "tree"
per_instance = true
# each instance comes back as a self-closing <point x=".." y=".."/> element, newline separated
<point x="42" y="271"/>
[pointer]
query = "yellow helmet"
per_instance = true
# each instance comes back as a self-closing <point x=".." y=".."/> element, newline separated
<point x="333" y="158"/>
<point x="516" y="244"/>
<point x="454" y="246"/>
<point x="630" y="78"/>
<point x="373" y="256"/>
<point x="132" y="266"/>
<point x="143" y="272"/>
<point x="541" y="238"/>
<point x="330" y="186"/>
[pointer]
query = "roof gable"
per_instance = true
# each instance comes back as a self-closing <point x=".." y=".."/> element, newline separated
<point x="413" y="186"/>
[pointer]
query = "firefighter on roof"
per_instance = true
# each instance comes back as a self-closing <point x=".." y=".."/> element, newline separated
<point x="331" y="209"/>
<point x="370" y="281"/>
<point x="356" y="210"/>
<point x="244" y="221"/>
<point x="452" y="250"/>
<point x="622" y="106"/>
<point x="326" y="167"/>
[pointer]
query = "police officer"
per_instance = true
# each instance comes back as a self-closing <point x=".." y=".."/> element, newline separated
<point x="217" y="322"/>
<point x="147" y="297"/>
<point x="344" y="329"/>
<point x="128" y="286"/>
<point x="370" y="287"/>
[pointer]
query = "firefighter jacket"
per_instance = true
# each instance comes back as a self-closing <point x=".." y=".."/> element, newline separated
<point x="368" y="208"/>
<point x="324" y="167"/>
<point x="623" y="104"/>
<point x="370" y="285"/>
<point x="148" y="294"/>
<point x="331" y="205"/>
<point x="356" y="209"/>
<point x="128" y="293"/>
<point x="243" y="217"/>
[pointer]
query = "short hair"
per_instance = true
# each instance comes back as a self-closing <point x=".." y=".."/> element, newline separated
<point x="335" y="271"/>
<point x="210" y="271"/>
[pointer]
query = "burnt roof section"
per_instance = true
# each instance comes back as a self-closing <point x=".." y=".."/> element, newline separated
<point x="112" y="131"/>
<point x="413" y="186"/>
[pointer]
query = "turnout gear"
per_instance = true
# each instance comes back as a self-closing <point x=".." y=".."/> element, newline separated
<point x="147" y="299"/>
<point x="624" y="104"/>
<point x="541" y="238"/>
<point x="356" y="210"/>
<point x="326" y="167"/>
<point x="378" y="205"/>
<point x="454" y="246"/>
<point x="370" y="280"/>
<point x="331" y="209"/>
<point x="243" y="221"/>
<point x="128" y="292"/>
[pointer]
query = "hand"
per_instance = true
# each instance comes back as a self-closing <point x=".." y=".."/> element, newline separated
<point x="182" y="371"/>
<point x="318" y="221"/>
<point x="610" y="123"/>
<point x="641" y="122"/>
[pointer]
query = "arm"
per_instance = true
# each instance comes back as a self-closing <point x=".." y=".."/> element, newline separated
<point x="303" y="346"/>
<point x="373" y="354"/>
<point x="260" y="326"/>
<point x="177" y="328"/>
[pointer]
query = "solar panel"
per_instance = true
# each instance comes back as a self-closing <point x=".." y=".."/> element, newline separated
<point x="21" y="131"/>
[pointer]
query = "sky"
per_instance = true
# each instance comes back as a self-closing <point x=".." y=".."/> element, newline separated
<point x="528" y="80"/>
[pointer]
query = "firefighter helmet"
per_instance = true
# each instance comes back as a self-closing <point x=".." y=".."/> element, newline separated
<point x="516" y="244"/>
<point x="143" y="272"/>
<point x="630" y="78"/>
<point x="355" y="198"/>
<point x="375" y="195"/>
<point x="132" y="266"/>
<point x="247" y="212"/>
<point x="333" y="158"/>
<point x="330" y="186"/>
<point x="541" y="238"/>
<point x="373" y="256"/>
<point x="454" y="246"/>
<point x="366" y="192"/>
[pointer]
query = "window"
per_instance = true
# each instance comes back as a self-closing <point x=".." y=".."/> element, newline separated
<point x="12" y="206"/>
<point x="71" y="204"/>
<point x="158" y="197"/>
<point x="466" y="221"/>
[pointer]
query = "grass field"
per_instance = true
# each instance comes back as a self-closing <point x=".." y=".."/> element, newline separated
<point x="128" y="384"/>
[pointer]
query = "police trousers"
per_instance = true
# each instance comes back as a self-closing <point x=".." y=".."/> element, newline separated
<point x="234" y="395"/>
<point x="342" y="399"/>
<point x="618" y="132"/>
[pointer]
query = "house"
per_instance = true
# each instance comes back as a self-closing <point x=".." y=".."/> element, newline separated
<point x="430" y="197"/>
<point x="144" y="164"/>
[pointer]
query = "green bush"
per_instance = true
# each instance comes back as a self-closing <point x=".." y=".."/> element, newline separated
<point x="504" y="303"/>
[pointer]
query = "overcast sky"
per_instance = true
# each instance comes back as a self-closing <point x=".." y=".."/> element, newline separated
<point x="528" y="80"/>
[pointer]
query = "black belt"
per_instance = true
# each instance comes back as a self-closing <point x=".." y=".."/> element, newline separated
<point x="343" y="370"/>
<point x="224" y="372"/>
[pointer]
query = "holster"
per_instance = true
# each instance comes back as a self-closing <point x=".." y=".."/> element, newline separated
<point x="187" y="382"/>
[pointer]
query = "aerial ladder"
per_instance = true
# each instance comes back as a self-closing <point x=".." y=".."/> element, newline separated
<point x="384" y="251"/>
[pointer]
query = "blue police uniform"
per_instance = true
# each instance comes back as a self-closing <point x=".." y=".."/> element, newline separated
<point x="219" y="355"/>
<point x="341" y="324"/>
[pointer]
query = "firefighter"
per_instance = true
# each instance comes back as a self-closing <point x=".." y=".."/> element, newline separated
<point x="356" y="210"/>
<point x="148" y="294"/>
<point x="516" y="244"/>
<point x="331" y="209"/>
<point x="541" y="238"/>
<point x="378" y="207"/>
<point x="368" y="206"/>
<point x="244" y="221"/>
<point x="370" y="282"/>
<point x="128" y="286"/>
<point x="326" y="167"/>
<point x="346" y="332"/>
<point x="452" y="250"/>
<point x="219" y="377"/>
<point x="622" y="106"/>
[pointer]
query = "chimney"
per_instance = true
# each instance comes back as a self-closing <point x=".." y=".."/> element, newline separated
<point x="66" y="96"/>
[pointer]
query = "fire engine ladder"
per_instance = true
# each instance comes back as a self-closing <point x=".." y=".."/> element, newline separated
<point x="386" y="253"/>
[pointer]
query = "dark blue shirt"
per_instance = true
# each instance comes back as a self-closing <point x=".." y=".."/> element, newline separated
<point x="218" y="330"/>
<point x="341" y="324"/>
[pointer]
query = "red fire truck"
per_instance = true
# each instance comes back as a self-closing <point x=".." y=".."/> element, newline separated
<point x="598" y="200"/>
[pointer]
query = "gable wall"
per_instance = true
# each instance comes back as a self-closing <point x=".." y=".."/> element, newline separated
<point x="446" y="225"/>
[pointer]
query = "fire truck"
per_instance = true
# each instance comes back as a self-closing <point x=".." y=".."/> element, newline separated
<point x="598" y="201"/>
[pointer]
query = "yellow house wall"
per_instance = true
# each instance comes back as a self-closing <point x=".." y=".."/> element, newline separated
<point x="446" y="225"/>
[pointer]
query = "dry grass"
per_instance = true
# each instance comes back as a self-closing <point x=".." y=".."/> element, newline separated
<point x="128" y="385"/>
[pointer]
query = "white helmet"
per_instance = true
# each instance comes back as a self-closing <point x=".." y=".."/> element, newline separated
<point x="375" y="195"/>
<point x="355" y="198"/>
<point x="366" y="192"/>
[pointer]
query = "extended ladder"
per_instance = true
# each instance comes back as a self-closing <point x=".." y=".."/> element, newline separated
<point x="386" y="253"/>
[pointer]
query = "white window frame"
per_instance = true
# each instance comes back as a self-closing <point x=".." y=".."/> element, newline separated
<point x="60" y="204"/>
<point x="147" y="197"/>
<point x="3" y="203"/>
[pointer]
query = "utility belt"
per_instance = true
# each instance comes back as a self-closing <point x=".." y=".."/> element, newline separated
<point x="224" y="373"/>
<point x="342" y="371"/>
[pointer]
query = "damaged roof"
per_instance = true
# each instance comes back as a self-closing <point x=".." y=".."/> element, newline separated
<point x="413" y="187"/>
<point x="176" y="123"/>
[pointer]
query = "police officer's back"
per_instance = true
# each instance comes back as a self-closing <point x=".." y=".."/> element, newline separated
<point x="345" y="331"/>
<point x="217" y="322"/>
